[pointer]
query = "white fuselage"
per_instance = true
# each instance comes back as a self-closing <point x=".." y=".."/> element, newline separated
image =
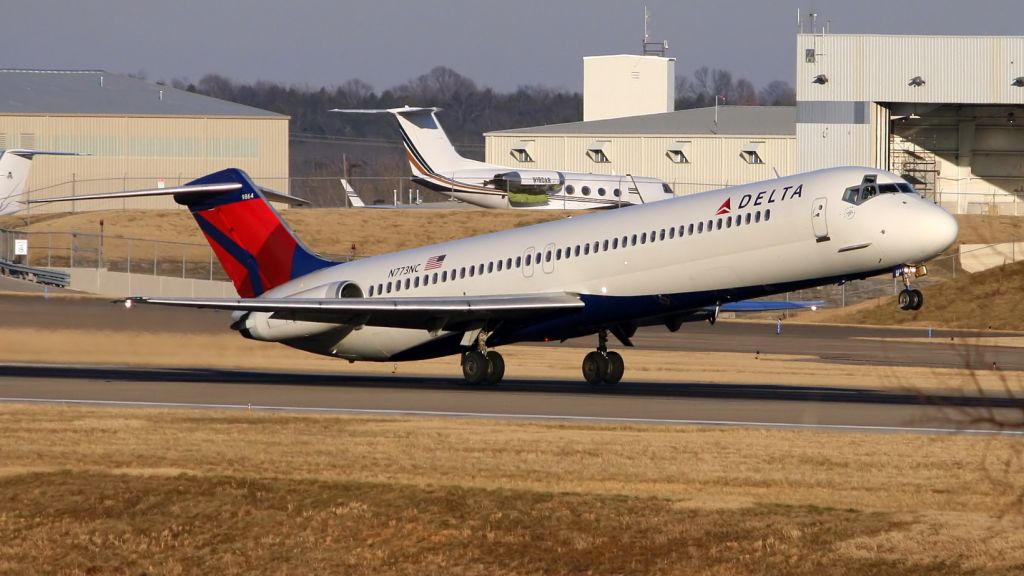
<point x="640" y="264"/>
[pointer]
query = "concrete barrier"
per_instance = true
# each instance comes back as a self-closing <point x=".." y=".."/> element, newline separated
<point x="978" y="257"/>
<point x="122" y="284"/>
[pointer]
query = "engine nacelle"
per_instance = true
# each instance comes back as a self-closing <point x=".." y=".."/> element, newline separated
<point x="529" y="182"/>
<point x="260" y="325"/>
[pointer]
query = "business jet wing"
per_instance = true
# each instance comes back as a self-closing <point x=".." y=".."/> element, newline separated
<point x="429" y="313"/>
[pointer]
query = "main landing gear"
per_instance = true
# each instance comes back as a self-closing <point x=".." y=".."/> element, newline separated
<point x="910" y="298"/>
<point x="602" y="366"/>
<point x="482" y="366"/>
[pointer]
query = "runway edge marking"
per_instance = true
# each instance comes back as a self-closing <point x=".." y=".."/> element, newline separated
<point x="498" y="415"/>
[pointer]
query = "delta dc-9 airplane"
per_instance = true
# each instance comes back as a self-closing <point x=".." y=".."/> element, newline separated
<point x="606" y="272"/>
<point x="436" y="165"/>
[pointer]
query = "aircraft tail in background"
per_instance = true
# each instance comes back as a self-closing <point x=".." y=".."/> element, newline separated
<point x="14" y="168"/>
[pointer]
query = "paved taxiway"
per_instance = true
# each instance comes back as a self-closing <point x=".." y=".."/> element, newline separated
<point x="776" y="405"/>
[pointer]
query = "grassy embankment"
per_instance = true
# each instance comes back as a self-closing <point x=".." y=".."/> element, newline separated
<point x="112" y="491"/>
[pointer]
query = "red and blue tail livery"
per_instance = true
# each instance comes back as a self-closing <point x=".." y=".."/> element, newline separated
<point x="254" y="245"/>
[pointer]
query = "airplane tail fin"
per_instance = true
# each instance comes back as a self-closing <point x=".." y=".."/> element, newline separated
<point x="256" y="248"/>
<point x="353" y="198"/>
<point x="254" y="245"/>
<point x="427" y="147"/>
<point x="14" y="168"/>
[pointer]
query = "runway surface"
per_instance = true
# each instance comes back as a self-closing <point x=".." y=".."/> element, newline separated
<point x="645" y="402"/>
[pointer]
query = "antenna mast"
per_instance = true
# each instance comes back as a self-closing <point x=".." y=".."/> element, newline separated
<point x="652" y="48"/>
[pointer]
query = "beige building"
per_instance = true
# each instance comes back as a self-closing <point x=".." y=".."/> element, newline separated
<point x="138" y="134"/>
<point x="693" y="150"/>
<point x="628" y="85"/>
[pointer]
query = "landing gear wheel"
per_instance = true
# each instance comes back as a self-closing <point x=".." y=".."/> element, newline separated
<point x="495" y="367"/>
<point x="474" y="366"/>
<point x="910" y="299"/>
<point x="916" y="299"/>
<point x="616" y="368"/>
<point x="905" y="299"/>
<point x="595" y="367"/>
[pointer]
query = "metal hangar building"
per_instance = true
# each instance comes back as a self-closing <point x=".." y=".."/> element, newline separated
<point x="946" y="112"/>
<point x="138" y="134"/>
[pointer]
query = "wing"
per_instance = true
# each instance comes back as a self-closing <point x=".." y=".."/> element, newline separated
<point x="769" y="305"/>
<point x="429" y="313"/>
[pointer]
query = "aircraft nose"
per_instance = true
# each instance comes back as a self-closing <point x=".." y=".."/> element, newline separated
<point x="943" y="229"/>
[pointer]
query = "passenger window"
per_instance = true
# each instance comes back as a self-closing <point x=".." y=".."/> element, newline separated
<point x="728" y="221"/>
<point x="604" y="246"/>
<point x="508" y="263"/>
<point x="700" y="227"/>
<point x="500" y="262"/>
<point x="617" y="193"/>
<point x="570" y="189"/>
<point x="672" y="232"/>
<point x="632" y="241"/>
<point x="407" y="283"/>
<point x="398" y="286"/>
<point x="689" y="230"/>
<point x="595" y="246"/>
<point x="767" y="214"/>
<point x="547" y="256"/>
<point x="371" y="291"/>
<point x="711" y="225"/>
<point x="529" y="260"/>
<point x="601" y="192"/>
<point x="719" y="225"/>
<point x="586" y="249"/>
<point x="519" y="261"/>
<point x="416" y="284"/>
<point x="585" y="190"/>
<point x="615" y="243"/>
<point x="558" y="254"/>
<point x="576" y="252"/>
<point x="748" y="217"/>
<point x="389" y="287"/>
<point x="433" y="279"/>
<point x="490" y="267"/>
<point x="462" y="272"/>
<point x="661" y="234"/>
<point x="643" y="238"/>
<point x="757" y="216"/>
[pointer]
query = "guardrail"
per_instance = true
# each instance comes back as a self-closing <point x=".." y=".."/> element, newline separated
<point x="41" y="275"/>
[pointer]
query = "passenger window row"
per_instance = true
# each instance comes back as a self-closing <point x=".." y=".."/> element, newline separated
<point x="585" y="249"/>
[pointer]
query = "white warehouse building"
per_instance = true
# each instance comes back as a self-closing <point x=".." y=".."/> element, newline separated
<point x="692" y="150"/>
<point x="946" y="112"/>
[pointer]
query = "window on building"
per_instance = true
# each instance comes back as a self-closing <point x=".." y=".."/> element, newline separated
<point x="521" y="151"/>
<point x="598" y="151"/>
<point x="751" y="153"/>
<point x="679" y="152"/>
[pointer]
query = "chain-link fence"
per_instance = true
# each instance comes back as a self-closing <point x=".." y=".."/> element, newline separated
<point x="116" y="254"/>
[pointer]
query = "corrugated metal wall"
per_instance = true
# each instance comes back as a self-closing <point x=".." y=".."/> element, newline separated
<point x="714" y="161"/>
<point x="136" y="152"/>
<point x="877" y="68"/>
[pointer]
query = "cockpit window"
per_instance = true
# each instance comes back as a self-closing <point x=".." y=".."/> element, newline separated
<point x="666" y="188"/>
<point x="857" y="195"/>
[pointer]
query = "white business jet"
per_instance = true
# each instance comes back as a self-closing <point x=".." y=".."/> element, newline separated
<point x="436" y="165"/>
<point x="14" y="168"/>
<point x="678" y="261"/>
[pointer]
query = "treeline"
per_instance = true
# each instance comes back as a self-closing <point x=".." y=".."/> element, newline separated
<point x="325" y="144"/>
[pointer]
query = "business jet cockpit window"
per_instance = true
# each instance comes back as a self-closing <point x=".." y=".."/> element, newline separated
<point x="858" y="195"/>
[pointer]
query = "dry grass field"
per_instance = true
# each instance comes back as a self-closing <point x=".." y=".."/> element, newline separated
<point x="99" y="491"/>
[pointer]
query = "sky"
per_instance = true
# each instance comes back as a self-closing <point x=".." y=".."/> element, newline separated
<point x="500" y="44"/>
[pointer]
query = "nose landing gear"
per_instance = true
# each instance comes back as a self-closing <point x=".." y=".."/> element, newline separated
<point x="910" y="298"/>
<point x="602" y="366"/>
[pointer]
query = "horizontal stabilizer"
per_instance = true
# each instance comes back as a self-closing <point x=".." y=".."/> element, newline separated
<point x="25" y="153"/>
<point x="177" y="190"/>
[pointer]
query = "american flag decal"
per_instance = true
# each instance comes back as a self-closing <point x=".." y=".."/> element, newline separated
<point x="435" y="262"/>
